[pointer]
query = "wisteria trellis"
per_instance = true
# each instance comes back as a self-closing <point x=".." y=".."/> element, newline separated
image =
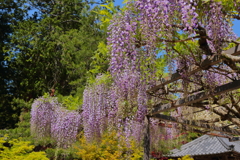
<point x="134" y="38"/>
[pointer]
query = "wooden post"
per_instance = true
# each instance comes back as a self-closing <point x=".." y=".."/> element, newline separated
<point x="226" y="157"/>
<point x="146" y="141"/>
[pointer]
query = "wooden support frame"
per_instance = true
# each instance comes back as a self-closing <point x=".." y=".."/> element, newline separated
<point x="210" y="61"/>
<point x="196" y="124"/>
<point x="196" y="98"/>
<point x="194" y="69"/>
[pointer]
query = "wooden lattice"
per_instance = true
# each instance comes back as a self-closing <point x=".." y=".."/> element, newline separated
<point x="191" y="101"/>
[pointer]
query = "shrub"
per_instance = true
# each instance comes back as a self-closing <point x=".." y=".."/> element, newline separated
<point x="61" y="154"/>
<point x="109" y="147"/>
<point x="187" y="157"/>
<point x="19" y="150"/>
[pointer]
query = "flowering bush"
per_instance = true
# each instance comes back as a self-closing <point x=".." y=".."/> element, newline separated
<point x="109" y="147"/>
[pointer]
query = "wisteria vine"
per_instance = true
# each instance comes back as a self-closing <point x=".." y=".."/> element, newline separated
<point x="50" y="120"/>
<point x="145" y="29"/>
<point x="134" y="42"/>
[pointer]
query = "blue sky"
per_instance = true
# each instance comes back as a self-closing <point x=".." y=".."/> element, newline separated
<point x="118" y="2"/>
<point x="236" y="26"/>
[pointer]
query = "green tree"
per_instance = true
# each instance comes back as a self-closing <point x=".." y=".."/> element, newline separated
<point x="10" y="14"/>
<point x="55" y="51"/>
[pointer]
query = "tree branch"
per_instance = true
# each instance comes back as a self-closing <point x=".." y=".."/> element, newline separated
<point x="230" y="57"/>
<point x="183" y="40"/>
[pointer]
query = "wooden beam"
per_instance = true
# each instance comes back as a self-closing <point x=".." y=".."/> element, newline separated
<point x="196" y="98"/>
<point x="218" y="135"/>
<point x="197" y="124"/>
<point x="165" y="125"/>
<point x="193" y="69"/>
<point x="191" y="129"/>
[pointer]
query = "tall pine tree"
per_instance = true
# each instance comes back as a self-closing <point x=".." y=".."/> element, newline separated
<point x="10" y="13"/>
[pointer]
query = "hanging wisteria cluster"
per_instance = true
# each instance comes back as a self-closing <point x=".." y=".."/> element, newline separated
<point x="218" y="29"/>
<point x="50" y="120"/>
<point x="106" y="107"/>
<point x="97" y="110"/>
<point x="42" y="116"/>
<point x="65" y="127"/>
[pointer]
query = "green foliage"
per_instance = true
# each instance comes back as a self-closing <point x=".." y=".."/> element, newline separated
<point x="109" y="147"/>
<point x="106" y="14"/>
<point x="160" y="65"/>
<point x="227" y="4"/>
<point x="19" y="150"/>
<point x="9" y="111"/>
<point x="192" y="135"/>
<point x="100" y="60"/>
<point x="61" y="154"/>
<point x="164" y="146"/>
<point x="70" y="102"/>
<point x="22" y="130"/>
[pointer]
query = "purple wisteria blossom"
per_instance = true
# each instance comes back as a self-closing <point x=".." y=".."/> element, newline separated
<point x="50" y="120"/>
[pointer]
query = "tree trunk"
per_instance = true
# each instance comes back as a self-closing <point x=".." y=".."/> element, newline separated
<point x="146" y="143"/>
